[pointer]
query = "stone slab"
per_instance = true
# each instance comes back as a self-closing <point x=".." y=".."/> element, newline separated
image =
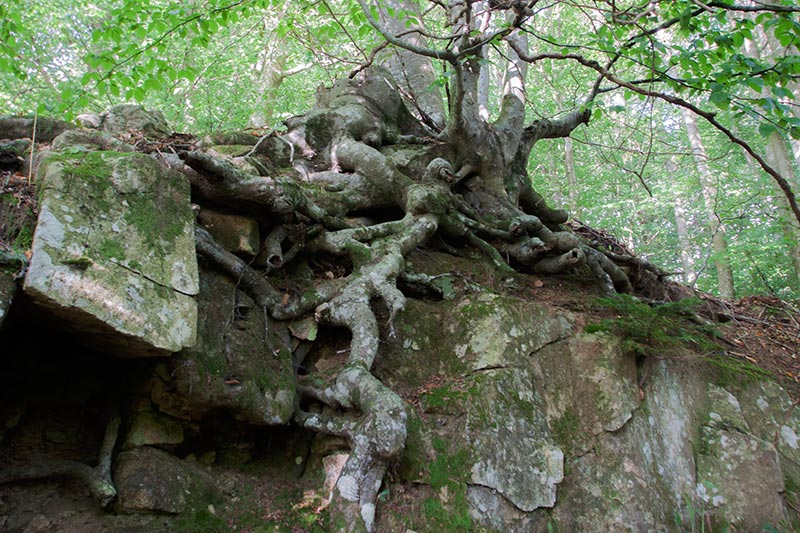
<point x="113" y="252"/>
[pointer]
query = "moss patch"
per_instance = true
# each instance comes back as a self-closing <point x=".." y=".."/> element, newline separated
<point x="449" y="474"/>
<point x="111" y="249"/>
<point x="566" y="430"/>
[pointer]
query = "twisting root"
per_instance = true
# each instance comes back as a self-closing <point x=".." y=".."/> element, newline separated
<point x="97" y="479"/>
<point x="380" y="432"/>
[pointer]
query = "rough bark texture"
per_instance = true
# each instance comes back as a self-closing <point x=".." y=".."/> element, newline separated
<point x="361" y="184"/>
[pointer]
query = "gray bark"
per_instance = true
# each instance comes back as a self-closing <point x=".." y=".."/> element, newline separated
<point x="708" y="186"/>
<point x="414" y="73"/>
<point x="778" y="156"/>
<point x="572" y="179"/>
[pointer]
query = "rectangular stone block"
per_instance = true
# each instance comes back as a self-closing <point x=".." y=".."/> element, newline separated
<point x="113" y="252"/>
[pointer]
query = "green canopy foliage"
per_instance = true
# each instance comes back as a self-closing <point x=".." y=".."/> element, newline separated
<point x="217" y="64"/>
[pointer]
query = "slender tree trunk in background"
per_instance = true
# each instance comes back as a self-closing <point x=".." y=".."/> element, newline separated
<point x="572" y="179"/>
<point x="514" y="78"/>
<point x="769" y="46"/>
<point x="718" y="242"/>
<point x="484" y="19"/>
<point x="682" y="229"/>
<point x="778" y="156"/>
<point x="272" y="74"/>
<point x="269" y="81"/>
<point x="688" y="275"/>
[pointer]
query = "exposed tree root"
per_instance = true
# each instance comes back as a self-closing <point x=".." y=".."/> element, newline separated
<point x="349" y="171"/>
<point x="97" y="479"/>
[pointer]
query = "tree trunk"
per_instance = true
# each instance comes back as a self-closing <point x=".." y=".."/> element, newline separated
<point x="709" y="188"/>
<point x="778" y="157"/>
<point x="682" y="229"/>
<point x="572" y="179"/>
<point x="360" y="150"/>
<point x="484" y="20"/>
<point x="413" y="73"/>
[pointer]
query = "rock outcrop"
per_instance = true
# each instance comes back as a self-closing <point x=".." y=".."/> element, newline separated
<point x="126" y="358"/>
<point x="113" y="253"/>
<point x="543" y="426"/>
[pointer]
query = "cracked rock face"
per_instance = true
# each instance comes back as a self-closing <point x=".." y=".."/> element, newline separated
<point x="526" y="423"/>
<point x="243" y="363"/>
<point x="113" y="252"/>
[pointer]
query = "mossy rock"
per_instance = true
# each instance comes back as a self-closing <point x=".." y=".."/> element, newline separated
<point x="113" y="252"/>
<point x="240" y="363"/>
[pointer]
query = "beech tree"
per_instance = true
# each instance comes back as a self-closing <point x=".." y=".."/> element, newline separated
<point x="404" y="148"/>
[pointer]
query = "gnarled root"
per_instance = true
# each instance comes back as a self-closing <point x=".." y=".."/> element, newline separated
<point x="97" y="479"/>
<point x="553" y="265"/>
<point x="380" y="432"/>
<point x="612" y="278"/>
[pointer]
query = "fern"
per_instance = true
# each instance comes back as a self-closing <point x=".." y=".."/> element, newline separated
<point x="643" y="326"/>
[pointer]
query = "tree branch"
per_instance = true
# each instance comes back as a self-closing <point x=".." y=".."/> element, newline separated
<point x="446" y="55"/>
<point x="674" y="100"/>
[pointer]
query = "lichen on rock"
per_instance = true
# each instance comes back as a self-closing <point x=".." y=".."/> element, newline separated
<point x="113" y="252"/>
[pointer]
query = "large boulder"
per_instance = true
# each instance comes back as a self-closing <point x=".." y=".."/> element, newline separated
<point x="521" y="421"/>
<point x="241" y="362"/>
<point x="124" y="119"/>
<point x="113" y="252"/>
<point x="151" y="480"/>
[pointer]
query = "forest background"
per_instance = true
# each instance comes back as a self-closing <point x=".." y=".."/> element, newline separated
<point x="667" y="184"/>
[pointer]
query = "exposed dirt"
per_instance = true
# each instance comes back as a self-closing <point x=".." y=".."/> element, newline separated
<point x="765" y="331"/>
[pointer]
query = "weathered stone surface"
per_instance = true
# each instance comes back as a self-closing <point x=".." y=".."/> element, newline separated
<point x="771" y="414"/>
<point x="148" y="428"/>
<point x="236" y="233"/>
<point x="635" y="478"/>
<point x="507" y="434"/>
<point x="8" y="287"/>
<point x="503" y="331"/>
<point x="126" y="118"/>
<point x="490" y="405"/>
<point x="548" y="416"/>
<point x="90" y="140"/>
<point x="239" y="363"/>
<point x="589" y="387"/>
<point x="739" y="478"/>
<point x="148" y="479"/>
<point x="113" y="252"/>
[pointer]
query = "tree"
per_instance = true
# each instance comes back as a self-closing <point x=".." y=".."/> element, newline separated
<point x="709" y="188"/>
<point x="365" y="178"/>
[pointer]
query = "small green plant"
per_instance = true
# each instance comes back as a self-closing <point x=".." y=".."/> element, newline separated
<point x="643" y="326"/>
<point x="697" y="515"/>
<point x="732" y="370"/>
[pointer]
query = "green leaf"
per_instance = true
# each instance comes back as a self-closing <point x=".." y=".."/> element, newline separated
<point x="188" y="74"/>
<point x="720" y="99"/>
<point x="755" y="83"/>
<point x="766" y="129"/>
<point x="782" y="92"/>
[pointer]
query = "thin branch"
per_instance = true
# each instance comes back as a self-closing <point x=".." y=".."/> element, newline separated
<point x="344" y="28"/>
<point x="674" y="100"/>
<point x="755" y="8"/>
<point x="446" y="55"/>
